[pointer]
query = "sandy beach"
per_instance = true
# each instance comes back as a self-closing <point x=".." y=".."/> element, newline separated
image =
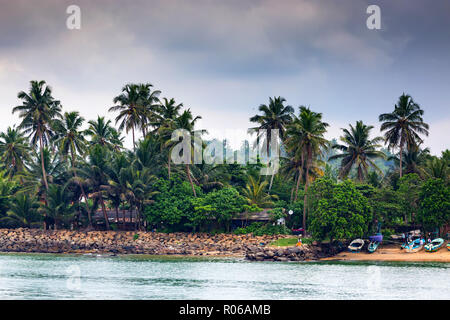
<point x="394" y="253"/>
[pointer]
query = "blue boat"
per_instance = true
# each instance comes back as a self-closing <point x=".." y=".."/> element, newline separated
<point x="375" y="242"/>
<point x="415" y="245"/>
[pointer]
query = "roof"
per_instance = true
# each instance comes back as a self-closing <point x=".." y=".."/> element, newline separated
<point x="261" y="216"/>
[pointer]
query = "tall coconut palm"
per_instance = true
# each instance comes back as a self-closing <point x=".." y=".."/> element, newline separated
<point x="275" y="116"/>
<point x="102" y="133"/>
<point x="136" y="106"/>
<point x="72" y="143"/>
<point x="38" y="111"/>
<point x="358" y="150"/>
<point x="14" y="151"/>
<point x="185" y="121"/>
<point x="305" y="141"/>
<point x="403" y="125"/>
<point x="167" y="111"/>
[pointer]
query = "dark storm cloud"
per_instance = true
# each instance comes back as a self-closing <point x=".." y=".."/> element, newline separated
<point x="234" y="54"/>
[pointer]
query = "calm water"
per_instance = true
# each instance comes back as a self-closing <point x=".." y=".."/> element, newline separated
<point x="56" y="277"/>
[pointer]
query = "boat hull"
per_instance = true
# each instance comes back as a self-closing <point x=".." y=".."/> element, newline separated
<point x="435" y="245"/>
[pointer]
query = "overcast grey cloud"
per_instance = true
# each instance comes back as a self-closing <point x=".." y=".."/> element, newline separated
<point x="224" y="58"/>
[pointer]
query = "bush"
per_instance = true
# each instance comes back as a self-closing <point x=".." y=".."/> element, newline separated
<point x="260" y="229"/>
<point x="344" y="214"/>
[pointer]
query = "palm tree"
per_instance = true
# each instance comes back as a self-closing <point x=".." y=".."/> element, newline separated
<point x="185" y="121"/>
<point x="32" y="177"/>
<point x="358" y="150"/>
<point x="255" y="195"/>
<point x="102" y="133"/>
<point x="437" y="169"/>
<point x="58" y="205"/>
<point x="38" y="111"/>
<point x="275" y="116"/>
<point x="164" y="125"/>
<point x="136" y="107"/>
<point x="72" y="142"/>
<point x="414" y="160"/>
<point x="95" y="175"/>
<point x="14" y="151"/>
<point x="403" y="125"/>
<point x="167" y="111"/>
<point x="305" y="141"/>
<point x="23" y="210"/>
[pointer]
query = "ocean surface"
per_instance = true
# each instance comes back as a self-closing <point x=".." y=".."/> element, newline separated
<point x="45" y="276"/>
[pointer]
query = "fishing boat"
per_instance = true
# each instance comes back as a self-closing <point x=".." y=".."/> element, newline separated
<point x="434" y="245"/>
<point x="414" y="246"/>
<point x="448" y="246"/>
<point x="356" y="245"/>
<point x="375" y="241"/>
<point x="373" y="246"/>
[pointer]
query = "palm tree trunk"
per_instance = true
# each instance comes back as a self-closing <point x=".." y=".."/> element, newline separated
<point x="305" y="198"/>
<point x="190" y="180"/>
<point x="82" y="192"/>
<point x="44" y="173"/>
<point x="292" y="194"/>
<point x="298" y="184"/>
<point x="401" y="158"/>
<point x="104" y="212"/>
<point x="134" y="143"/>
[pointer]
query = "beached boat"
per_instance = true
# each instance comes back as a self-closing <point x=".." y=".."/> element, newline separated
<point x="414" y="246"/>
<point x="375" y="242"/>
<point x="448" y="246"/>
<point x="434" y="245"/>
<point x="373" y="246"/>
<point x="356" y="245"/>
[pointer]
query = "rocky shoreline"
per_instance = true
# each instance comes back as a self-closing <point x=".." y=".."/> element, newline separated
<point x="302" y="253"/>
<point x="117" y="242"/>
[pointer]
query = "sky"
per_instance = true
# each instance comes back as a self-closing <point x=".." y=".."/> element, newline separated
<point x="222" y="59"/>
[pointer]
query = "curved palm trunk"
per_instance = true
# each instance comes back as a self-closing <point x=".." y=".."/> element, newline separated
<point x="297" y="186"/>
<point x="168" y="166"/>
<point x="305" y="198"/>
<point x="82" y="193"/>
<point x="188" y="172"/>
<point x="102" y="202"/>
<point x="44" y="173"/>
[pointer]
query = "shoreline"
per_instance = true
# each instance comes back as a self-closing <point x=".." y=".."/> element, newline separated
<point x="393" y="253"/>
<point x="192" y="245"/>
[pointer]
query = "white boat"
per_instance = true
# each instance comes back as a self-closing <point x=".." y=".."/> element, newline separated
<point x="356" y="245"/>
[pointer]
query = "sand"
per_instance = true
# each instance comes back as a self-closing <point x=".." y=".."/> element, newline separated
<point x="394" y="253"/>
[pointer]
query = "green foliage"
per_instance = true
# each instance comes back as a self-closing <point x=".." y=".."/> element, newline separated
<point x="23" y="212"/>
<point x="260" y="229"/>
<point x="220" y="205"/>
<point x="408" y="190"/>
<point x="172" y="204"/>
<point x="434" y="209"/>
<point x="344" y="214"/>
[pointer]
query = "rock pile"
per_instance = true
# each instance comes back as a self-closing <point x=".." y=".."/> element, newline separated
<point x="116" y="242"/>
<point x="303" y="253"/>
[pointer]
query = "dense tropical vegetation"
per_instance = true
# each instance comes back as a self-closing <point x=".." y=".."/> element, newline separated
<point x="60" y="171"/>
